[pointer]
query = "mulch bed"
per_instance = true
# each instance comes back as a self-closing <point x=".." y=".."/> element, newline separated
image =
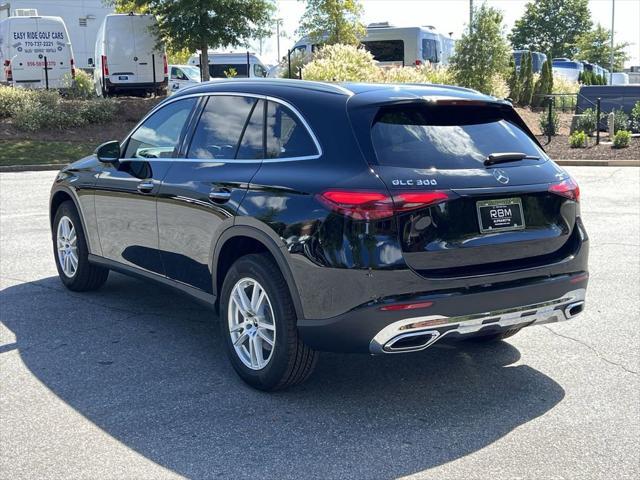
<point x="559" y="149"/>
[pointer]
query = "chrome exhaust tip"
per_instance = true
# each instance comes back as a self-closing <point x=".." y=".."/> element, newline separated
<point x="573" y="309"/>
<point x="411" y="342"/>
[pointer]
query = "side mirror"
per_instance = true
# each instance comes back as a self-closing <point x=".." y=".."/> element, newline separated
<point x="109" y="152"/>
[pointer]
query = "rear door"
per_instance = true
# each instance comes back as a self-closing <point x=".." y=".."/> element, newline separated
<point x="201" y="193"/>
<point x="119" y="38"/>
<point x="484" y="218"/>
<point x="53" y="44"/>
<point x="149" y="61"/>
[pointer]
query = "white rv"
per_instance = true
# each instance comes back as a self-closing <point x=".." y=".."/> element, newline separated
<point x="35" y="52"/>
<point x="399" y="46"/>
<point x="128" y="56"/>
<point x="222" y="65"/>
<point x="82" y="18"/>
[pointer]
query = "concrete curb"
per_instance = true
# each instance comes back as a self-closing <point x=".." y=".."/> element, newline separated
<point x="31" y="168"/>
<point x="599" y="163"/>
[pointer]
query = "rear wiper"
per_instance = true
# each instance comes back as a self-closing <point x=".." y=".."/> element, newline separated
<point x="494" y="158"/>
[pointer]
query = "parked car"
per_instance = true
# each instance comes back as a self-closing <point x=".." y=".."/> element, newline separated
<point x="129" y="57"/>
<point x="239" y="65"/>
<point x="181" y="76"/>
<point x="568" y="69"/>
<point x="313" y="216"/>
<point x="26" y="43"/>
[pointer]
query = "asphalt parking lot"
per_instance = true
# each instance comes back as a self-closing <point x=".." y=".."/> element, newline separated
<point x="131" y="381"/>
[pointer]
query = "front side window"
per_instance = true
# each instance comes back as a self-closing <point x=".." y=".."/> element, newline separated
<point x="445" y="137"/>
<point x="159" y="135"/>
<point x="286" y="136"/>
<point x="218" y="132"/>
<point x="258" y="70"/>
<point x="386" y="50"/>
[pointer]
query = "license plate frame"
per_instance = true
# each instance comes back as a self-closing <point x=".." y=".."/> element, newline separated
<point x="504" y="219"/>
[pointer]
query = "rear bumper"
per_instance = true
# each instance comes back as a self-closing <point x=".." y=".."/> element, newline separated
<point x="135" y="86"/>
<point x="462" y="312"/>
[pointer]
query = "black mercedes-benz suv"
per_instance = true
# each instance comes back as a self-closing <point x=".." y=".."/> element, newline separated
<point x="313" y="216"/>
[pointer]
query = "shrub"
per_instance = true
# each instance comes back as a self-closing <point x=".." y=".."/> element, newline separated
<point x="12" y="99"/>
<point x="549" y="128"/>
<point x="543" y="85"/>
<point x="587" y="121"/>
<point x="48" y="110"/>
<point x="342" y="63"/>
<point x="526" y="80"/>
<point x="422" y="74"/>
<point x="80" y="87"/>
<point x="562" y="85"/>
<point x="620" y="120"/>
<point x="635" y="118"/>
<point x="578" y="139"/>
<point x="621" y="139"/>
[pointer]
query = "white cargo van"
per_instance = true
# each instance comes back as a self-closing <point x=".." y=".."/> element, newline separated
<point x="28" y="45"/>
<point x="128" y="56"/>
<point x="220" y="64"/>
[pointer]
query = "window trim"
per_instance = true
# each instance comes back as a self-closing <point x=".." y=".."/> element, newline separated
<point x="189" y="134"/>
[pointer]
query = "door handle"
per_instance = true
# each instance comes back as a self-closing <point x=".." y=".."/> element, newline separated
<point x="221" y="195"/>
<point x="145" y="187"/>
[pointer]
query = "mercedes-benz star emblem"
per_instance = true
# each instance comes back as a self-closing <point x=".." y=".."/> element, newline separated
<point x="501" y="176"/>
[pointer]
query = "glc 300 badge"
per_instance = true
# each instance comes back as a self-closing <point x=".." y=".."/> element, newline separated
<point x="501" y="176"/>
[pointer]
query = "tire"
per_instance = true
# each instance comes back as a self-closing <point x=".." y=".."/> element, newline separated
<point x="288" y="361"/>
<point x="496" y="337"/>
<point x="85" y="276"/>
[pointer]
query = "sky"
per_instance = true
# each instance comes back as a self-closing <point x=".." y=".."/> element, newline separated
<point x="452" y="15"/>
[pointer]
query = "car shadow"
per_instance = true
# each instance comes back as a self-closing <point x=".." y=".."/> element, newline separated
<point x="147" y="366"/>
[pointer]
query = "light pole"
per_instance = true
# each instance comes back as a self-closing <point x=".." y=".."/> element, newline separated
<point x="470" y="14"/>
<point x="613" y="16"/>
<point x="278" y="23"/>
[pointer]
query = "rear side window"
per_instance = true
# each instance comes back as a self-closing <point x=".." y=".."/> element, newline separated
<point x="386" y="50"/>
<point x="158" y="136"/>
<point x="445" y="137"/>
<point x="220" y="127"/>
<point x="286" y="136"/>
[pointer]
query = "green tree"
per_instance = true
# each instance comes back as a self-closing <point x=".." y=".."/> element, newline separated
<point x="482" y="52"/>
<point x="333" y="21"/>
<point x="594" y="46"/>
<point x="552" y="26"/>
<point x="513" y="81"/>
<point x="543" y="86"/>
<point x="526" y="79"/>
<point x="203" y="24"/>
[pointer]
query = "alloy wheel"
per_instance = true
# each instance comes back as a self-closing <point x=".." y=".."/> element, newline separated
<point x="66" y="242"/>
<point x="251" y="323"/>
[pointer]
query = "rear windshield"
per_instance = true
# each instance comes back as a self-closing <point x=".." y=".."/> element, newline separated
<point x="445" y="137"/>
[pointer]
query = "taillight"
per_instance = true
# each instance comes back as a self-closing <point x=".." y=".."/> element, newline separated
<point x="105" y="67"/>
<point x="418" y="63"/>
<point x="567" y="188"/>
<point x="7" y="70"/>
<point x="73" y="68"/>
<point x="166" y="66"/>
<point x="376" y="205"/>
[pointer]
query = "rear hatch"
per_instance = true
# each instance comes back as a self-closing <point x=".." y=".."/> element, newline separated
<point x="461" y="214"/>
